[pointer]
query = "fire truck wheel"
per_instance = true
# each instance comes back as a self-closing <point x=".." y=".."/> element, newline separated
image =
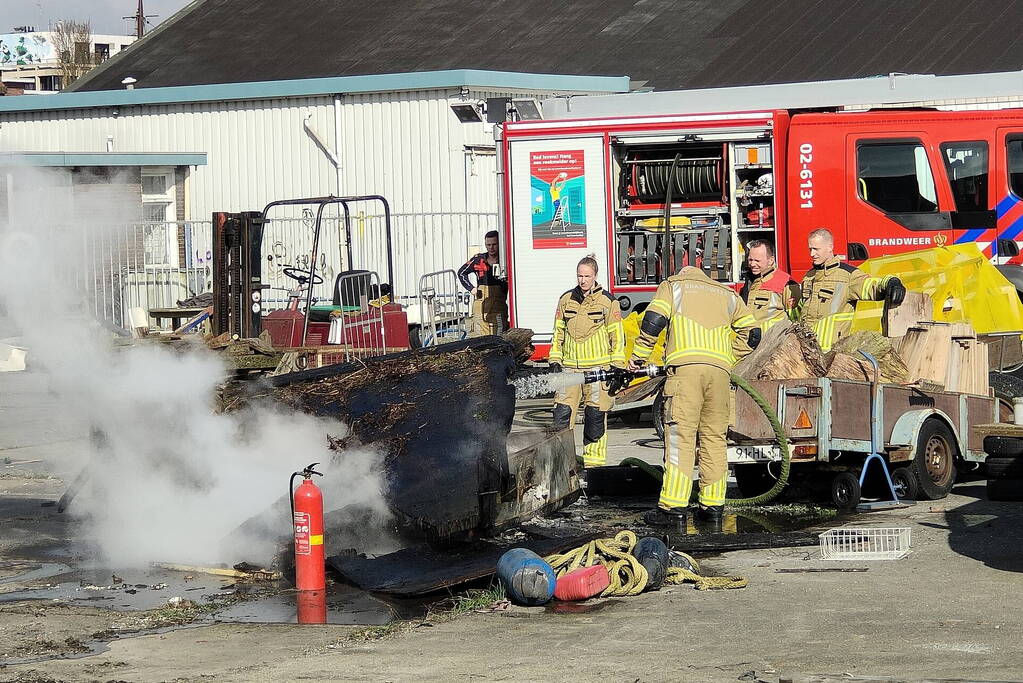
<point x="753" y="480"/>
<point x="1006" y="387"/>
<point x="658" y="409"/>
<point x="905" y="483"/>
<point x="1005" y="489"/>
<point x="845" y="490"/>
<point x="934" y="464"/>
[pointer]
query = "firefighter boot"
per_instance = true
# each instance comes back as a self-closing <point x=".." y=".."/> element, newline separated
<point x="670" y="517"/>
<point x="594" y="437"/>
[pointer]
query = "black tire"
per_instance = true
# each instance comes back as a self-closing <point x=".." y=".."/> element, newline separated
<point x="1005" y="489"/>
<point x="659" y="415"/>
<point x="1003" y="446"/>
<point x="1004" y="468"/>
<point x="934" y="464"/>
<point x="753" y="480"/>
<point x="905" y="483"/>
<point x="1005" y="387"/>
<point x="630" y="418"/>
<point x="415" y="341"/>
<point x="845" y="491"/>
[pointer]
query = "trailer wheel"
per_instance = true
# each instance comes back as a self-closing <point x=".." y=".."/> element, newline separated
<point x="905" y="483"/>
<point x="658" y="409"/>
<point x="1005" y="489"/>
<point x="845" y="491"/>
<point x="753" y="480"/>
<point x="934" y="464"/>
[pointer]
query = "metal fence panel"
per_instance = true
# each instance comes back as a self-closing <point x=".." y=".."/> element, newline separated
<point x="154" y="265"/>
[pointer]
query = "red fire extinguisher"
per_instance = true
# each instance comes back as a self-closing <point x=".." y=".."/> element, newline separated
<point x="307" y="515"/>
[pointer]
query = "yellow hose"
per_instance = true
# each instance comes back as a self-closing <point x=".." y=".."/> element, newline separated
<point x="628" y="576"/>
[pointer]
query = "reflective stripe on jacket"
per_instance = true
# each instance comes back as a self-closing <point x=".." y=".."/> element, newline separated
<point x="588" y="330"/>
<point x="768" y="297"/>
<point x="707" y="322"/>
<point x="829" y="294"/>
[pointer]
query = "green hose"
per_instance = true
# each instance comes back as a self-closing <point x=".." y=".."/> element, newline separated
<point x="783" y="445"/>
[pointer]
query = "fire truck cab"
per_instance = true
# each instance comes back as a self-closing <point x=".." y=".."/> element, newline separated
<point x="649" y="194"/>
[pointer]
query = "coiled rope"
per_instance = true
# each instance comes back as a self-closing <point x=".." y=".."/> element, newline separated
<point x="628" y="575"/>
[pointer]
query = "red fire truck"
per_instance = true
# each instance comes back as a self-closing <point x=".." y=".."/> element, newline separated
<point x="649" y="194"/>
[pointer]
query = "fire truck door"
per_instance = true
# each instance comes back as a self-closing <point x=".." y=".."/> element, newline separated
<point x="895" y="204"/>
<point x="967" y="167"/>
<point x="1007" y="190"/>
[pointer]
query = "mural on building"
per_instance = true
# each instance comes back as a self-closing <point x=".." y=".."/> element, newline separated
<point x="20" y="49"/>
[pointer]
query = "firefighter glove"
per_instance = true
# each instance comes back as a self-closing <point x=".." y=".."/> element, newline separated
<point x="554" y="367"/>
<point x="619" y="380"/>
<point x="894" y="292"/>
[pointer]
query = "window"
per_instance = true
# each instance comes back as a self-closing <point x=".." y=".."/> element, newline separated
<point x="160" y="230"/>
<point x="967" y="166"/>
<point x="1014" y="156"/>
<point x="102" y="52"/>
<point x="49" y="83"/>
<point x="895" y="177"/>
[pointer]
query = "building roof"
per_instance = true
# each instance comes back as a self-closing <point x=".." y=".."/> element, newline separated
<point x="306" y="87"/>
<point x="669" y="44"/>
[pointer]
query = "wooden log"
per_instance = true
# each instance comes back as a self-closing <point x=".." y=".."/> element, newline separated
<point x="844" y="366"/>
<point x="926" y="349"/>
<point x="788" y="351"/>
<point x="893" y="367"/>
<point x="916" y="307"/>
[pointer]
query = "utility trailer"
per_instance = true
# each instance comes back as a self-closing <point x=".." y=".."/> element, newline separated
<point x="833" y="425"/>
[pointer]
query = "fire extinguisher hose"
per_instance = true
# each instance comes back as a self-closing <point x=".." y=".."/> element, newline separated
<point x="783" y="445"/>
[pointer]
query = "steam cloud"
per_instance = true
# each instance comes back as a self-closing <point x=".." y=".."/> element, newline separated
<point x="170" y="480"/>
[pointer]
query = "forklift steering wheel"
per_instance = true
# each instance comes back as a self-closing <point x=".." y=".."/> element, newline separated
<point x="302" y="276"/>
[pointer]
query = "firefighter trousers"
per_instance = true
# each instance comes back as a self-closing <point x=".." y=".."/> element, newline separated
<point x="596" y="402"/>
<point x="696" y="404"/>
<point x="489" y="312"/>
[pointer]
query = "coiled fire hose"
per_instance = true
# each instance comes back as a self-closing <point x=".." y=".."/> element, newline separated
<point x="783" y="445"/>
<point x="628" y="576"/>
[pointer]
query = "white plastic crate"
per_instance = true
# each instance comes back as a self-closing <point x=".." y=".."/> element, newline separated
<point x="862" y="543"/>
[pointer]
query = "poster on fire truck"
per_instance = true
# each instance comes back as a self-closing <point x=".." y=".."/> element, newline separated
<point x="558" y="187"/>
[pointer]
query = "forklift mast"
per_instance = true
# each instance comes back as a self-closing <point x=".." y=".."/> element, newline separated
<point x="237" y="273"/>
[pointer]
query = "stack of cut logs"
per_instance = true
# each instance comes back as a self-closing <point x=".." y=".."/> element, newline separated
<point x="914" y="350"/>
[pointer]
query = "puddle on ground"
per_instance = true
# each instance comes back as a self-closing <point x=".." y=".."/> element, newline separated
<point x="134" y="591"/>
<point x="346" y="605"/>
<point x="771" y="519"/>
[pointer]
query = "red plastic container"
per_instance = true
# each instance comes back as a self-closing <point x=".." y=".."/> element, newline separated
<point x="582" y="583"/>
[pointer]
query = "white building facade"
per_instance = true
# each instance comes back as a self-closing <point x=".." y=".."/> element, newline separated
<point x="185" y="152"/>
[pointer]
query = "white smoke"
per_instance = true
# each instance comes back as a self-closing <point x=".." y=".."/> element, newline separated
<point x="170" y="480"/>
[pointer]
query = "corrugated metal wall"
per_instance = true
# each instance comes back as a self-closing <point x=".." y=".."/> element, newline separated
<point x="407" y="146"/>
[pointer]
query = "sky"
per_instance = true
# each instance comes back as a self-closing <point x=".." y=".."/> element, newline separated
<point x="104" y="15"/>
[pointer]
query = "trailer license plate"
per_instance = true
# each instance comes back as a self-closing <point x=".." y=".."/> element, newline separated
<point x="753" y="453"/>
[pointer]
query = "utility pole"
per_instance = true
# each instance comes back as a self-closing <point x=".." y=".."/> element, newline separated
<point x="140" y="17"/>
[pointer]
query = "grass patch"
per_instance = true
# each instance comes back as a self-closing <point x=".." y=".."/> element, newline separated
<point x="449" y="608"/>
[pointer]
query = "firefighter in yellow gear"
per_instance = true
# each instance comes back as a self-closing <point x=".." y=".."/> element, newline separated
<point x="831" y="288"/>
<point x="588" y="334"/>
<point x="709" y="328"/>
<point x="772" y="292"/>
